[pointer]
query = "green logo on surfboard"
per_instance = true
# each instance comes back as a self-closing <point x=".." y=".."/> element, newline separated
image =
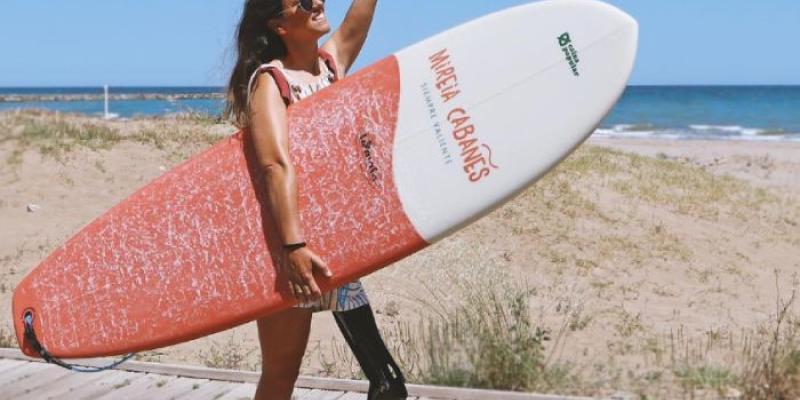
<point x="569" y="51"/>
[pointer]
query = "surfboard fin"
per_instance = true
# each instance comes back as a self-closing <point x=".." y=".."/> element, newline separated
<point x="386" y="381"/>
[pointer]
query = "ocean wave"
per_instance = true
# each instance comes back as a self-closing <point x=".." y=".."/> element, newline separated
<point x="696" y="132"/>
<point x="728" y="129"/>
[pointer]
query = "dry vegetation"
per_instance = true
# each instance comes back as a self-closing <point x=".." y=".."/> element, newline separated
<point x="57" y="135"/>
<point x="7" y="338"/>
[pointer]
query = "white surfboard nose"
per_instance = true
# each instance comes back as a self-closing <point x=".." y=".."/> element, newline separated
<point x="489" y="107"/>
<point x="621" y="41"/>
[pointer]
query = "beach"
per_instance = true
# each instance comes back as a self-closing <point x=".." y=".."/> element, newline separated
<point x="641" y="258"/>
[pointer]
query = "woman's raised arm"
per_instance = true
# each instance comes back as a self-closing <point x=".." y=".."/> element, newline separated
<point x="347" y="41"/>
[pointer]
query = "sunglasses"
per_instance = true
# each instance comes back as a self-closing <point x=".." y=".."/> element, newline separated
<point x="305" y="5"/>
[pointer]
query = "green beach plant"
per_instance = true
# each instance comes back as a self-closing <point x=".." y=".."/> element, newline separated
<point x="704" y="377"/>
<point x="231" y="354"/>
<point x="482" y="334"/>
<point x="771" y="367"/>
<point x="491" y="343"/>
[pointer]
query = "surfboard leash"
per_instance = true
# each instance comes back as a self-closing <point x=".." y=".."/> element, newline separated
<point x="30" y="334"/>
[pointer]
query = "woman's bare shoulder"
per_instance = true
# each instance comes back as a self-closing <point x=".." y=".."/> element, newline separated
<point x="264" y="83"/>
<point x="266" y="103"/>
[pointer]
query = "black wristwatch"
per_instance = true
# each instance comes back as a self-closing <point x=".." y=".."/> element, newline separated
<point x="294" y="246"/>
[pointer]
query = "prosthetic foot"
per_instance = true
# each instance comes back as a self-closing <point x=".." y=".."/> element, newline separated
<point x="358" y="326"/>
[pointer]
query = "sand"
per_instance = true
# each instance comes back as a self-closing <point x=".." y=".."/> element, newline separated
<point x="629" y="254"/>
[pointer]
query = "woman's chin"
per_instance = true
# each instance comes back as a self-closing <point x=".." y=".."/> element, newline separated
<point x="323" y="27"/>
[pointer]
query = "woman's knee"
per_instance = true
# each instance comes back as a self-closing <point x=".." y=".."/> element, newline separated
<point x="283" y="339"/>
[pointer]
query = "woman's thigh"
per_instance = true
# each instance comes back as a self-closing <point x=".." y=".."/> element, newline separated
<point x="283" y="338"/>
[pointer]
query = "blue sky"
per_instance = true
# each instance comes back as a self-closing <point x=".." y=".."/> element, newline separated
<point x="189" y="42"/>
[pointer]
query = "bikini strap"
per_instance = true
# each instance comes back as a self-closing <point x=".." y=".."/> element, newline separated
<point x="277" y="75"/>
<point x="283" y="82"/>
<point x="330" y="62"/>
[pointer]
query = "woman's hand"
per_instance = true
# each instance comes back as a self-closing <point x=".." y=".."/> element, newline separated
<point x="302" y="263"/>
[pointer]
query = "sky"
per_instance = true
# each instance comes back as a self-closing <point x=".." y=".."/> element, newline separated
<point x="190" y="42"/>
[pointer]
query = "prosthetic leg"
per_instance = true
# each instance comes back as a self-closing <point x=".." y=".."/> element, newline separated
<point x="358" y="326"/>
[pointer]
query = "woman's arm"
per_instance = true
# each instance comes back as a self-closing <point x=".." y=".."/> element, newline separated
<point x="269" y="130"/>
<point x="346" y="42"/>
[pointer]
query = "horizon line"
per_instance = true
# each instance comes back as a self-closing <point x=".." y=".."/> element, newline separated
<point x="223" y="86"/>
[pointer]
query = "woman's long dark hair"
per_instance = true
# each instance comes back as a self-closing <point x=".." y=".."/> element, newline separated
<point x="256" y="44"/>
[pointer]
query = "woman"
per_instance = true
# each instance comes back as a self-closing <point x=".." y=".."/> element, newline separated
<point x="279" y="63"/>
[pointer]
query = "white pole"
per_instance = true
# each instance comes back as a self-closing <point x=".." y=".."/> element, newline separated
<point x="105" y="110"/>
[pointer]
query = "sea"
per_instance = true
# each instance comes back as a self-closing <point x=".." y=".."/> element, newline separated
<point x="748" y="113"/>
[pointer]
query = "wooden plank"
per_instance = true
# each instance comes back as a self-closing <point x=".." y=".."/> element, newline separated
<point x="61" y="388"/>
<point x="193" y="372"/>
<point x="8" y="365"/>
<point x="423" y="392"/>
<point x="244" y="392"/>
<point x="442" y="392"/>
<point x="188" y="371"/>
<point x="173" y="387"/>
<point x="138" y="389"/>
<point x="342" y="385"/>
<point x="35" y="381"/>
<point x="106" y="385"/>
<point x="320" y="394"/>
<point x="209" y="391"/>
<point x="17" y="374"/>
<point x="298" y="393"/>
<point x="357" y="396"/>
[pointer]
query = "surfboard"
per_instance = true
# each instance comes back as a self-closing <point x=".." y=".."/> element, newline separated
<point x="389" y="160"/>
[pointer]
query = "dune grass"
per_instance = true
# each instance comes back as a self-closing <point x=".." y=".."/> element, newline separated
<point x="480" y="333"/>
<point x="231" y="354"/>
<point x="485" y="338"/>
<point x="57" y="135"/>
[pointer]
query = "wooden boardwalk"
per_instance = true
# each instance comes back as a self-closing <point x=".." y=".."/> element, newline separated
<point x="24" y="378"/>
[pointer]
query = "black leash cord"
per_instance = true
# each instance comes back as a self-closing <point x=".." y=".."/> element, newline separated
<point x="31" y="336"/>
